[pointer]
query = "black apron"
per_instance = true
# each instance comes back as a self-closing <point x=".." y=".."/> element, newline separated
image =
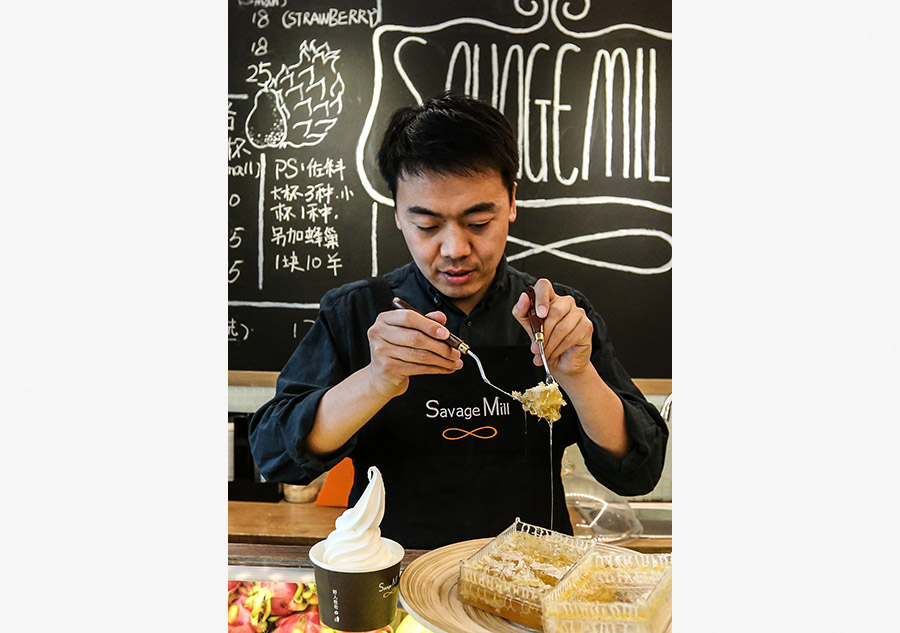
<point x="461" y="460"/>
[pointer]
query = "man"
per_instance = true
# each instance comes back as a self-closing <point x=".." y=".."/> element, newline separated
<point x="459" y="459"/>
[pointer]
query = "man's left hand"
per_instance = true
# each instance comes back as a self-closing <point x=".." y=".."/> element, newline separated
<point x="567" y="330"/>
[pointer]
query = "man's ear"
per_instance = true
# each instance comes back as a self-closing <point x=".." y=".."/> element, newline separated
<point x="396" y="218"/>
<point x="512" y="206"/>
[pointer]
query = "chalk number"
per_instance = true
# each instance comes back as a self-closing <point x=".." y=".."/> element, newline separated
<point x="261" y="18"/>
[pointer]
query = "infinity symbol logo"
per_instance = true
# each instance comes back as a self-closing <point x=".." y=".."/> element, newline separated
<point x="457" y="434"/>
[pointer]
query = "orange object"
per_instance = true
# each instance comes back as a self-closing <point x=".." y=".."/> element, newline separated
<point x="335" y="490"/>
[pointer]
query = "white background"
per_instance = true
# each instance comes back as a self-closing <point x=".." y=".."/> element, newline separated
<point x="113" y="287"/>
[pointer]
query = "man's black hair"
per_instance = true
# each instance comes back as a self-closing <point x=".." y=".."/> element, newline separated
<point x="450" y="134"/>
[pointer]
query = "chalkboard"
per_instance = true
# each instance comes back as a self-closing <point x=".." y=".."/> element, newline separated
<point x="587" y="87"/>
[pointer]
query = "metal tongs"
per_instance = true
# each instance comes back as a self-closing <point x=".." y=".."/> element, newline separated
<point x="456" y="343"/>
<point x="537" y="329"/>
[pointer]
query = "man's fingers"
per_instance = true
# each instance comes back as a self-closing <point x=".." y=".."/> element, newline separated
<point x="409" y="343"/>
<point x="411" y="361"/>
<point x="401" y="354"/>
<point x="576" y="337"/>
<point x="431" y="324"/>
<point x="438" y="316"/>
<point x="520" y="310"/>
<point x="566" y="326"/>
<point x="558" y="327"/>
<point x="420" y="347"/>
<point x="543" y="295"/>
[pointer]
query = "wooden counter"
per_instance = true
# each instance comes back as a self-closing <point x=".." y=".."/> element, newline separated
<point x="287" y="530"/>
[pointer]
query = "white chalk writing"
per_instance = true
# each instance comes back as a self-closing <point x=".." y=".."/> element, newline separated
<point x="331" y="18"/>
<point x="539" y="115"/>
<point x="237" y="331"/>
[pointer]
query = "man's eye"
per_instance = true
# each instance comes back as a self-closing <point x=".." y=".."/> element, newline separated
<point x="426" y="229"/>
<point x="479" y="225"/>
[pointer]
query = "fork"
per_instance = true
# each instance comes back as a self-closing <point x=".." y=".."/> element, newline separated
<point x="537" y="329"/>
<point x="456" y="343"/>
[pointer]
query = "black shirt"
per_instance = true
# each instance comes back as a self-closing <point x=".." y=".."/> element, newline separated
<point x="457" y="461"/>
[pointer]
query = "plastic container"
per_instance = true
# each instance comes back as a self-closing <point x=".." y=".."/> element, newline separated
<point x="630" y="593"/>
<point x="510" y="573"/>
<point x="599" y="513"/>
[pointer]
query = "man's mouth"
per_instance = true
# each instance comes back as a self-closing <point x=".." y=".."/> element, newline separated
<point x="457" y="277"/>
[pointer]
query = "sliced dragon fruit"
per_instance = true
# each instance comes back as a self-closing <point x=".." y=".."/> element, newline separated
<point x="239" y="620"/>
<point x="286" y="597"/>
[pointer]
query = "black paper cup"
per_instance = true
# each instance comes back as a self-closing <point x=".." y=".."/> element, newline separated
<point x="357" y="600"/>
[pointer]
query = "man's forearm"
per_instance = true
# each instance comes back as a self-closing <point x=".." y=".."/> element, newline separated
<point x="343" y="410"/>
<point x="599" y="409"/>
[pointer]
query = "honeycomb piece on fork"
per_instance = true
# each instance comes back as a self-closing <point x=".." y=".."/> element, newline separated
<point x="542" y="400"/>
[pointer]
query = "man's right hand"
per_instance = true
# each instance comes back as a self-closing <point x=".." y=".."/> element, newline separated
<point x="404" y="343"/>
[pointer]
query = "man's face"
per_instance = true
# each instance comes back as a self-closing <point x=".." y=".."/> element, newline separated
<point x="455" y="228"/>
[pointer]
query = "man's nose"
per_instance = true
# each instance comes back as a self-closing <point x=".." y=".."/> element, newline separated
<point x="455" y="243"/>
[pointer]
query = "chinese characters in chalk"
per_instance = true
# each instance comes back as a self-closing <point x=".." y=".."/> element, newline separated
<point x="301" y="214"/>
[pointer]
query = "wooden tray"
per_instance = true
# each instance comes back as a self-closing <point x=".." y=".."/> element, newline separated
<point x="429" y="592"/>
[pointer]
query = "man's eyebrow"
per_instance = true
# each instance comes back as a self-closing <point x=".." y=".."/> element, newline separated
<point x="475" y="208"/>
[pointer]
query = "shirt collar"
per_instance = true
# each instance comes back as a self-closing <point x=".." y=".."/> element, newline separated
<point x="498" y="285"/>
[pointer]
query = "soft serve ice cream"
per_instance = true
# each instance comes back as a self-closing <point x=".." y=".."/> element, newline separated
<point x="357" y="570"/>
<point x="356" y="543"/>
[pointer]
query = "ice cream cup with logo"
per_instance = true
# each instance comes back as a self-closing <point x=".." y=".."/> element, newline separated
<point x="357" y="570"/>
